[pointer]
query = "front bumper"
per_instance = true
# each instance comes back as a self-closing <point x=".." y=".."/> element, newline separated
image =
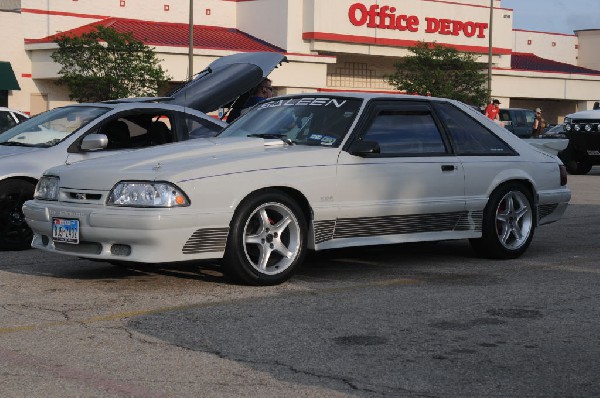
<point x="146" y="235"/>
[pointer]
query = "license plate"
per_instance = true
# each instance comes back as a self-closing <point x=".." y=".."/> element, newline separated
<point x="65" y="230"/>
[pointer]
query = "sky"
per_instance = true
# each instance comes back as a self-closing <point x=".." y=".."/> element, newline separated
<point x="556" y="16"/>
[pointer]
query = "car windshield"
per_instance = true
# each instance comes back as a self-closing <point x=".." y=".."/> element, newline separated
<point x="50" y="128"/>
<point x="300" y="120"/>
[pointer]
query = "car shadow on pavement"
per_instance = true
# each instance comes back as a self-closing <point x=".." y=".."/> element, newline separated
<point x="339" y="264"/>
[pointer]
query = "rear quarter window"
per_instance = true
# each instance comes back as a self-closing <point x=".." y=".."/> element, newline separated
<point x="468" y="136"/>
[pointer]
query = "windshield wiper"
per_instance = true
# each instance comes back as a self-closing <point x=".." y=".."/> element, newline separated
<point x="282" y="137"/>
<point x="13" y="143"/>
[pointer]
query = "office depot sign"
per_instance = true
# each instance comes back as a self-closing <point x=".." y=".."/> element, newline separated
<point x="388" y="17"/>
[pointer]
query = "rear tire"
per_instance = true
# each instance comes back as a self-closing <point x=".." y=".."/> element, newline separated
<point x="267" y="239"/>
<point x="15" y="234"/>
<point x="508" y="223"/>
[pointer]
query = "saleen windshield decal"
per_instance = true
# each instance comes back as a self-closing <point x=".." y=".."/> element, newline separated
<point x="307" y="101"/>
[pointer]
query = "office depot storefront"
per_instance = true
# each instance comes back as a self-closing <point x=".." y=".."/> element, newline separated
<point x="331" y="45"/>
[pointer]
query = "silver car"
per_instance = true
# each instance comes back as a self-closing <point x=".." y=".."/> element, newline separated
<point x="84" y="131"/>
<point x="306" y="172"/>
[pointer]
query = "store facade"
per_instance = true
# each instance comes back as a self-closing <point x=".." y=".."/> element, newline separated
<point x="331" y="45"/>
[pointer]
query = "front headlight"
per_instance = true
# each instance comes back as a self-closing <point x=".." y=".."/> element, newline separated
<point x="47" y="188"/>
<point x="146" y="194"/>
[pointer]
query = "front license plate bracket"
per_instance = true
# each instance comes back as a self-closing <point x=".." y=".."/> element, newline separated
<point x="65" y="230"/>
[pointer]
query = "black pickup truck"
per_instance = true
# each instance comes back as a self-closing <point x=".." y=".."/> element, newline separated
<point x="583" y="151"/>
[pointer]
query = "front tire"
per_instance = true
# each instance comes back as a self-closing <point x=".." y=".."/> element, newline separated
<point x="508" y="223"/>
<point x="578" y="168"/>
<point x="15" y="234"/>
<point x="267" y="239"/>
<point x="573" y="165"/>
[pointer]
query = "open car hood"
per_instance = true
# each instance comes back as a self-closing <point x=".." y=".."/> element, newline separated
<point x="225" y="79"/>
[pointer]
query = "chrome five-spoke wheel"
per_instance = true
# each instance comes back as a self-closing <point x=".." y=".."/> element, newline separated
<point x="508" y="222"/>
<point x="267" y="239"/>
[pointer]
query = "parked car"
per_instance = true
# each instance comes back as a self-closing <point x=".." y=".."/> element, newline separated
<point x="518" y="121"/>
<point x="583" y="152"/>
<point x="307" y="171"/>
<point x="84" y="131"/>
<point x="10" y="118"/>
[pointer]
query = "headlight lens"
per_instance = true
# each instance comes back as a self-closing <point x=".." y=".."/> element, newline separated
<point x="146" y="194"/>
<point x="47" y="188"/>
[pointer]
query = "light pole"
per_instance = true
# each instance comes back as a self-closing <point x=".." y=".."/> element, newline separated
<point x="191" y="43"/>
<point x="490" y="52"/>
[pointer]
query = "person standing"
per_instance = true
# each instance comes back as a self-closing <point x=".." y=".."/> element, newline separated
<point x="492" y="111"/>
<point x="538" y="124"/>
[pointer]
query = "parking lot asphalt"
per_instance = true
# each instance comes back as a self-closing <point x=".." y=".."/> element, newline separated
<point x="405" y="320"/>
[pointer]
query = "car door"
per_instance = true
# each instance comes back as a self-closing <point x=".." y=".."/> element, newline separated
<point x="412" y="183"/>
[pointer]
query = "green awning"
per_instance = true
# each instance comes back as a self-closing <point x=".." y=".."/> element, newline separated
<point x="8" y="81"/>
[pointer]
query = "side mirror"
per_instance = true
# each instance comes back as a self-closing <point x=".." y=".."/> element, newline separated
<point x="364" y="148"/>
<point x="94" y="142"/>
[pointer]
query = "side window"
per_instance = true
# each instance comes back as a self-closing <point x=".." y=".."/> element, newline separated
<point x="6" y="121"/>
<point x="530" y="116"/>
<point x="118" y="134"/>
<point x="199" y="128"/>
<point x="406" y="133"/>
<point x="520" y="120"/>
<point x="138" y="130"/>
<point x="468" y="136"/>
<point x="20" y="117"/>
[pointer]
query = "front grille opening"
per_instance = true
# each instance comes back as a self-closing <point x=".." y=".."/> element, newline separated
<point x="82" y="247"/>
<point x="84" y="196"/>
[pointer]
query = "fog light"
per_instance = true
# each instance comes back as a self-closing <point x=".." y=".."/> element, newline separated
<point x="568" y="127"/>
<point x="577" y="127"/>
<point x="120" y="250"/>
<point x="588" y="127"/>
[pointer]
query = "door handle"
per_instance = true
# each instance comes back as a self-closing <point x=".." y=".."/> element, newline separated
<point x="448" y="167"/>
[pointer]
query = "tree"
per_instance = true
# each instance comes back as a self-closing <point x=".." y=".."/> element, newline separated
<point x="441" y="72"/>
<point x="105" y="64"/>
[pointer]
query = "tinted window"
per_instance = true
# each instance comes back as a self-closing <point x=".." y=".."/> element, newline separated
<point x="405" y="133"/>
<point x="468" y="136"/>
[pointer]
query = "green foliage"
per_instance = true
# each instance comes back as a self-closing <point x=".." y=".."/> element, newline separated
<point x="441" y="72"/>
<point x="106" y="64"/>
